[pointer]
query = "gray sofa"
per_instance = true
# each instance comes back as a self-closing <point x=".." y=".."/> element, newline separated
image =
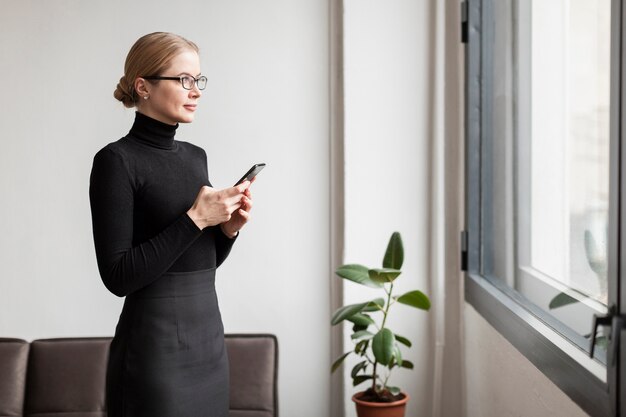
<point x="66" y="377"/>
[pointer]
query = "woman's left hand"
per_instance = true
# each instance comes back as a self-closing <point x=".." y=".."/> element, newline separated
<point x="240" y="217"/>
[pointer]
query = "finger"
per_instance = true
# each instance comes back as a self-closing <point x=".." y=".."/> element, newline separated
<point x="244" y="214"/>
<point x="243" y="186"/>
<point x="238" y="189"/>
<point x="233" y="208"/>
<point x="244" y="207"/>
<point x="236" y="199"/>
<point x="248" y="203"/>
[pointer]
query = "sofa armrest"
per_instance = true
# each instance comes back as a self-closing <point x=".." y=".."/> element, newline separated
<point x="253" y="361"/>
<point x="13" y="367"/>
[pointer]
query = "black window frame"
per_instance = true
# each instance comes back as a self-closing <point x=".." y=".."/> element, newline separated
<point x="509" y="313"/>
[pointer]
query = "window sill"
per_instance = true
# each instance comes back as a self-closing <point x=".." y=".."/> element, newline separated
<point x="518" y="326"/>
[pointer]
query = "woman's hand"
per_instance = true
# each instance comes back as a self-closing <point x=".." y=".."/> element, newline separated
<point x="213" y="207"/>
<point x="240" y="217"/>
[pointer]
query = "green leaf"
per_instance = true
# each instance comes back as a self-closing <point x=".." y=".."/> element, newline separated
<point x="406" y="342"/>
<point x="338" y="362"/>
<point x="384" y="275"/>
<point x="361" y="347"/>
<point x="595" y="254"/>
<point x="374" y="305"/>
<point x="344" y="312"/>
<point x="360" y="379"/>
<point x="358" y="274"/>
<point x="358" y="327"/>
<point x="415" y="299"/>
<point x="361" y="320"/>
<point x="382" y="346"/>
<point x="394" y="255"/>
<point x="602" y="342"/>
<point x="362" y="335"/>
<point x="407" y="364"/>
<point x="394" y="390"/>
<point x="397" y="354"/>
<point x="561" y="300"/>
<point x="357" y="368"/>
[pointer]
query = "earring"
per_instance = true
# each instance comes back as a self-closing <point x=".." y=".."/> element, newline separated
<point x="145" y="97"/>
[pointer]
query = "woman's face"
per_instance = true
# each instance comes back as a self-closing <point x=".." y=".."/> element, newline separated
<point x="167" y="100"/>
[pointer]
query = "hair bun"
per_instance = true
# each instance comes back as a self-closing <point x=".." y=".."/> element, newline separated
<point x="123" y="94"/>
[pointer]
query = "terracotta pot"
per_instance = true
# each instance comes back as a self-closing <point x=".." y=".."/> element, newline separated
<point x="368" y="409"/>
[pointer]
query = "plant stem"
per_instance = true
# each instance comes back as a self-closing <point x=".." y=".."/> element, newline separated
<point x="387" y="306"/>
<point x="385" y="312"/>
<point x="374" y="377"/>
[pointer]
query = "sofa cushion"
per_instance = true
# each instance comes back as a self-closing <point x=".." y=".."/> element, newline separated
<point x="13" y="365"/>
<point x="67" y="376"/>
<point x="253" y="361"/>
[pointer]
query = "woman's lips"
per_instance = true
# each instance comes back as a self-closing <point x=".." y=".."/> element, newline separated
<point x="190" y="107"/>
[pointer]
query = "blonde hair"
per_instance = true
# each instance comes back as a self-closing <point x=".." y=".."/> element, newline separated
<point x="151" y="54"/>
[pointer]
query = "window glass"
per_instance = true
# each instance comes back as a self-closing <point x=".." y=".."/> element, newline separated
<point x="545" y="158"/>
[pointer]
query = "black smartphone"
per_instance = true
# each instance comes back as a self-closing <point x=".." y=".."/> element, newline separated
<point x="252" y="172"/>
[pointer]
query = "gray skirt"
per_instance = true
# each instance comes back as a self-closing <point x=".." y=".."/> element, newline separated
<point x="168" y="357"/>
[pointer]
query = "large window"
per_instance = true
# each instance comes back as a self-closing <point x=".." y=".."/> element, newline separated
<point x="545" y="211"/>
<point x="543" y="87"/>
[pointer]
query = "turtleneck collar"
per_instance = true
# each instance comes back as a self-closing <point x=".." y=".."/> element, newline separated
<point x="152" y="132"/>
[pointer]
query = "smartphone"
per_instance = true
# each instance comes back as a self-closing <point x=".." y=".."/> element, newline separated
<point x="252" y="172"/>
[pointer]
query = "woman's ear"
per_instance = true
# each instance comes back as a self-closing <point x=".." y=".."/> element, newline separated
<point x="142" y="88"/>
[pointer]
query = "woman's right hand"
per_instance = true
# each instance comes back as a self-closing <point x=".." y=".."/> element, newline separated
<point x="213" y="207"/>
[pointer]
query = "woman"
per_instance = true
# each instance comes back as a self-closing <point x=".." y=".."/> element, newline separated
<point x="160" y="232"/>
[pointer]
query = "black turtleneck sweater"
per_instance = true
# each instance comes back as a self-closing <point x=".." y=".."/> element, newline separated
<point x="140" y="190"/>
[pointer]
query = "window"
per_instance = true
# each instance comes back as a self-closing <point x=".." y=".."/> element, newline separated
<point x="543" y="85"/>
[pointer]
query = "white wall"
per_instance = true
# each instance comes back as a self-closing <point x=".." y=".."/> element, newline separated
<point x="387" y="45"/>
<point x="502" y="382"/>
<point x="267" y="101"/>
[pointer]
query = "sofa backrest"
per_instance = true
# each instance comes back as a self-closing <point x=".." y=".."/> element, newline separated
<point x="66" y="377"/>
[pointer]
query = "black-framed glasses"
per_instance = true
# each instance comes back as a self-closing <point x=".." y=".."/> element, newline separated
<point x="187" y="81"/>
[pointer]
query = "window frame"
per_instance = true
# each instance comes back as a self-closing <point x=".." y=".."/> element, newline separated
<point x="502" y="307"/>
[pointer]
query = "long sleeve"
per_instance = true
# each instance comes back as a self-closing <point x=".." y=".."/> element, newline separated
<point x="223" y="245"/>
<point x="125" y="268"/>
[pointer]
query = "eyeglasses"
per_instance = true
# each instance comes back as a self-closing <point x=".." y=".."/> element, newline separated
<point x="187" y="81"/>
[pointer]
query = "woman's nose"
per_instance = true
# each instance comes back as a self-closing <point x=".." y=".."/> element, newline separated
<point x="195" y="92"/>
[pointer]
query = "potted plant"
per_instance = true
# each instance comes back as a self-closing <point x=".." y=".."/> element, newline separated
<point x="377" y="346"/>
